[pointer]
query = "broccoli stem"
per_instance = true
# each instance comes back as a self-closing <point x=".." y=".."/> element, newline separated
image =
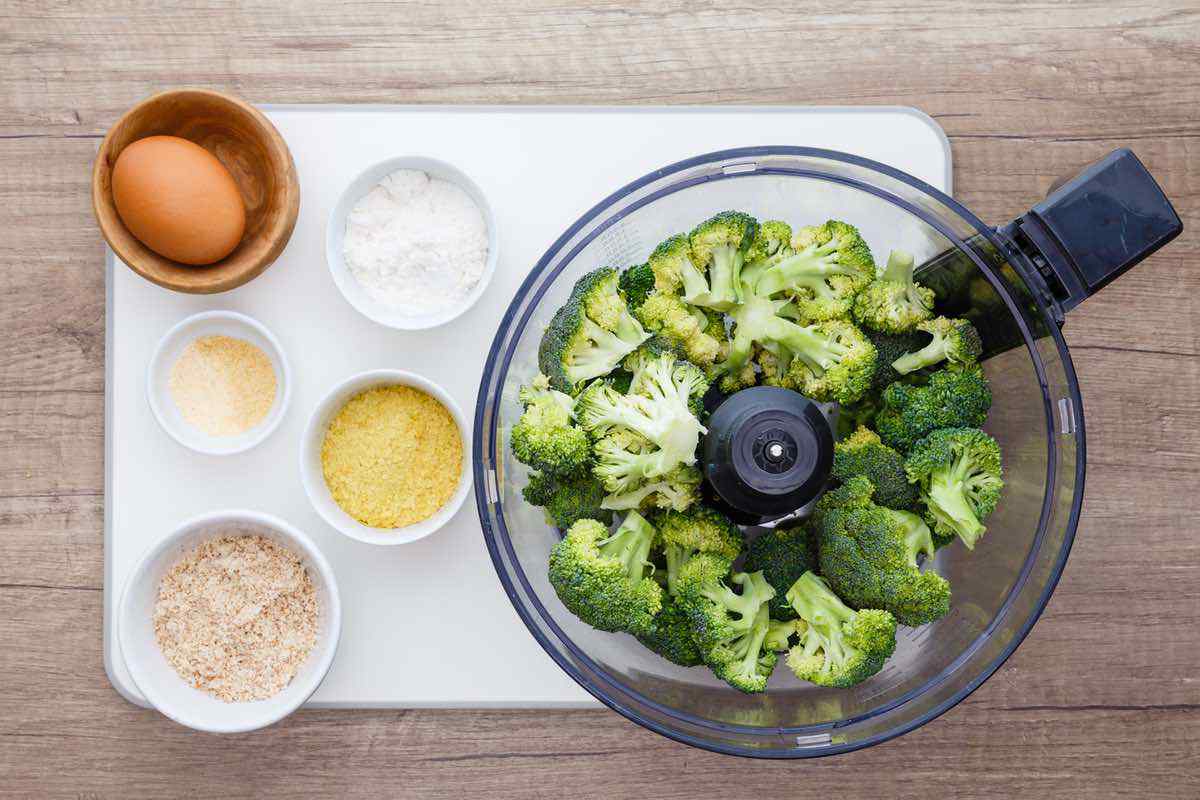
<point x="695" y="287"/>
<point x="825" y="614"/>
<point x="749" y="647"/>
<point x="818" y="352"/>
<point x="899" y="267"/>
<point x="948" y="500"/>
<point x="630" y="545"/>
<point x="808" y="268"/>
<point x="724" y="276"/>
<point x="676" y="558"/>
<point x="931" y="353"/>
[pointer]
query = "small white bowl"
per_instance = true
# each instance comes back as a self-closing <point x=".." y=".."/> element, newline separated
<point x="159" y="682"/>
<point x="158" y="375"/>
<point x="313" y="475"/>
<point x="335" y="233"/>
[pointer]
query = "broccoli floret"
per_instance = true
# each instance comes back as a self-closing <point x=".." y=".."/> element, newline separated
<point x="953" y="398"/>
<point x="772" y="243"/>
<point x="625" y="460"/>
<point x="674" y="272"/>
<point x="893" y="302"/>
<point x="954" y="340"/>
<point x="831" y="361"/>
<point x="830" y="263"/>
<point x="718" y="248"/>
<point x="658" y="409"/>
<point x="890" y="347"/>
<point x="862" y="453"/>
<point x="728" y="627"/>
<point x="779" y="634"/>
<point x="782" y="555"/>
<point x="958" y="470"/>
<point x="636" y="283"/>
<point x="671" y="636"/>
<point x="675" y="491"/>
<point x="546" y="437"/>
<point x="590" y="334"/>
<point x="827" y="361"/>
<point x="685" y="327"/>
<point x="772" y="238"/>
<point x="649" y="350"/>
<point x="869" y="558"/>
<point x="746" y="661"/>
<point x="838" y="647"/>
<point x="718" y="613"/>
<point x="567" y="500"/>
<point x="605" y="580"/>
<point x="699" y="530"/>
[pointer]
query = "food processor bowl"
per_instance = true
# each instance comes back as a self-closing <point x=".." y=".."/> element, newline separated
<point x="1014" y="283"/>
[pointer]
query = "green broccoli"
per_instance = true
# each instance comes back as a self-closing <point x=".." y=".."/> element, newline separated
<point x="636" y="283"/>
<point x="893" y="302"/>
<point x="671" y="636"/>
<point x="648" y="350"/>
<point x="773" y="238"/>
<point x="746" y="661"/>
<point x="718" y="248"/>
<point x="953" y="398"/>
<point x="830" y="263"/>
<point x="772" y="243"/>
<point x="826" y="361"/>
<point x="718" y="613"/>
<point x="782" y="555"/>
<point x="546" y="437"/>
<point x="699" y="530"/>
<point x="658" y="412"/>
<point x="779" y="634"/>
<point x="567" y="500"/>
<point x="889" y="348"/>
<point x="954" y="340"/>
<point x="862" y="453"/>
<point x="684" y="326"/>
<point x="868" y="555"/>
<point x="834" y="362"/>
<point x="605" y="579"/>
<point x="729" y="627"/>
<point x="676" y="491"/>
<point x="674" y="273"/>
<point x="838" y="647"/>
<point x="959" y="472"/>
<point x="590" y="334"/>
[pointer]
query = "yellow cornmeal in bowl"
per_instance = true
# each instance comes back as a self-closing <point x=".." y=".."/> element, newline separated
<point x="392" y="456"/>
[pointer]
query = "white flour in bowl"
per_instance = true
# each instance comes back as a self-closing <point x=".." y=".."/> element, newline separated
<point x="416" y="243"/>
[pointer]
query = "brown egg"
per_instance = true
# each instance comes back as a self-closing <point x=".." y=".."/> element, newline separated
<point x="178" y="200"/>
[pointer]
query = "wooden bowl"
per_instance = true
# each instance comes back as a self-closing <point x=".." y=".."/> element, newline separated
<point x="250" y="148"/>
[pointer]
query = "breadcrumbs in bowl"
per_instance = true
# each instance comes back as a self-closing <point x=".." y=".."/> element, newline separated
<point x="383" y="459"/>
<point x="230" y="622"/>
<point x="392" y="456"/>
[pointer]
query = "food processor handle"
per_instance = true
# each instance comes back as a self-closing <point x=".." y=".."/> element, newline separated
<point x="1094" y="226"/>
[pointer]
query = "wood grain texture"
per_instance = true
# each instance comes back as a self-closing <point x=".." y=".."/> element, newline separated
<point x="1100" y="701"/>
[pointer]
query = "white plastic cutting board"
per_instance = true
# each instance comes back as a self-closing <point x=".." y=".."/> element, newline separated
<point x="425" y="624"/>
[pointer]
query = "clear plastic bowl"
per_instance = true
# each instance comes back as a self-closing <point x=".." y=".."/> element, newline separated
<point x="999" y="589"/>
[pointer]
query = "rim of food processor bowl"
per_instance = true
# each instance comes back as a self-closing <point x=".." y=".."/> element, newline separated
<point x="610" y="691"/>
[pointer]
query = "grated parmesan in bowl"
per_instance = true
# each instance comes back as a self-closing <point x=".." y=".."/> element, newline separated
<point x="231" y="622"/>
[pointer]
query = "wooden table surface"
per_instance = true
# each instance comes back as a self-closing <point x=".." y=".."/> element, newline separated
<point x="1102" y="700"/>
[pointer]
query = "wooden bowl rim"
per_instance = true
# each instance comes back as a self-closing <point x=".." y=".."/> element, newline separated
<point x="279" y="233"/>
